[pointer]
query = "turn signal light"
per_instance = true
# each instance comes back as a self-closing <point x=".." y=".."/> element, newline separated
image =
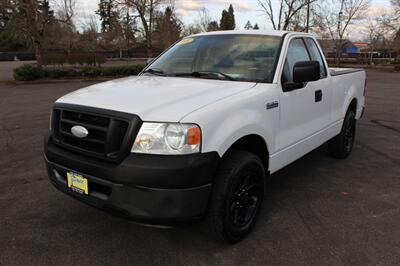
<point x="193" y="136"/>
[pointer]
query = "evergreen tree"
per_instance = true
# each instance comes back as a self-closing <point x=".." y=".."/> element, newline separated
<point x="45" y="11"/>
<point x="232" y="16"/>
<point x="248" y="25"/>
<point x="108" y="15"/>
<point x="168" y="28"/>
<point x="228" y="19"/>
<point x="212" y="26"/>
<point x="34" y="20"/>
<point x="223" y="24"/>
<point x="5" y="13"/>
<point x="129" y="28"/>
<point x="256" y="27"/>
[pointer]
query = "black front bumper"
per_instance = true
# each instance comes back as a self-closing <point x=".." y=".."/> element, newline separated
<point x="148" y="188"/>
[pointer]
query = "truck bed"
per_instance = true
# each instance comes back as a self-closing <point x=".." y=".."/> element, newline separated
<point x="342" y="71"/>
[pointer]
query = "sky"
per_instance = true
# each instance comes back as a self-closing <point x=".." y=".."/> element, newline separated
<point x="245" y="10"/>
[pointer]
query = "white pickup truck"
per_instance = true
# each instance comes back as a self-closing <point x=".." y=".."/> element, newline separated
<point x="199" y="130"/>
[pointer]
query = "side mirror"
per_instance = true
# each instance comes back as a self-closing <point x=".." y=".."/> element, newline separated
<point x="306" y="71"/>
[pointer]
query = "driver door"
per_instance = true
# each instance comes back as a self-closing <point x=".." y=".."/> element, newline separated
<point x="305" y="109"/>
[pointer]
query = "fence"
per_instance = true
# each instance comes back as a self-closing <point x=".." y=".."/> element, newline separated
<point x="12" y="56"/>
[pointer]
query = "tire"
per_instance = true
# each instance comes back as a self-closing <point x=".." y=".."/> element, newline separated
<point x="237" y="196"/>
<point x="341" y="146"/>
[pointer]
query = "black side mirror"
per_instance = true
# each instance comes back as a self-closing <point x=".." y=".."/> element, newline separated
<point x="306" y="71"/>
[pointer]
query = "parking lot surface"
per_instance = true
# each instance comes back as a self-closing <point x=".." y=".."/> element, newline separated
<point x="318" y="211"/>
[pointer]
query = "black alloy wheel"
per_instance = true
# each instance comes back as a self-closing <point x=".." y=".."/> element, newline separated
<point x="237" y="195"/>
<point x="341" y="146"/>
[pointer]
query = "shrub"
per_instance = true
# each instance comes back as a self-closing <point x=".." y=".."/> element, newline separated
<point x="28" y="72"/>
<point x="32" y="72"/>
<point x="90" y="59"/>
<point x="61" y="73"/>
<point x="111" y="71"/>
<point x="122" y="70"/>
<point x="135" y="70"/>
<point x="91" y="71"/>
<point x="100" y="59"/>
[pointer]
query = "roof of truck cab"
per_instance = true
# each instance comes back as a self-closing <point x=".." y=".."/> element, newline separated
<point x="245" y="32"/>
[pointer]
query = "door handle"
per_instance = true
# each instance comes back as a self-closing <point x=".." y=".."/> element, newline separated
<point x="318" y="96"/>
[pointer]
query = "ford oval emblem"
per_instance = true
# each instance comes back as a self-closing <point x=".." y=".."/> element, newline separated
<point x="79" y="132"/>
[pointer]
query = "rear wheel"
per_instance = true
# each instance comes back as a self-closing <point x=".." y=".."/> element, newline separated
<point x="237" y="195"/>
<point x="342" y="145"/>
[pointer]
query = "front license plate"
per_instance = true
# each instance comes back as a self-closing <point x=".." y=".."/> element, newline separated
<point x="78" y="183"/>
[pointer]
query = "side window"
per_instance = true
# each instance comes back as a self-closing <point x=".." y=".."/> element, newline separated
<point x="316" y="55"/>
<point x="296" y="52"/>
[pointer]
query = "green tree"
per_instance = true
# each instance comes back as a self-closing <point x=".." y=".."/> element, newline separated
<point x="5" y="13"/>
<point x="10" y="42"/>
<point x="232" y="16"/>
<point x="108" y="15"/>
<point x="33" y="20"/>
<point x="45" y="11"/>
<point x="228" y="19"/>
<point x="129" y="29"/>
<point x="212" y="26"/>
<point x="256" y="27"/>
<point x="168" y="28"/>
<point x="9" y="39"/>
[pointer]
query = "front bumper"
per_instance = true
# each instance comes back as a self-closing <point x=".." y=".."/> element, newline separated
<point x="155" y="189"/>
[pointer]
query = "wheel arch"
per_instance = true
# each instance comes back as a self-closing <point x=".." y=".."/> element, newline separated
<point x="252" y="143"/>
<point x="351" y="101"/>
<point x="353" y="105"/>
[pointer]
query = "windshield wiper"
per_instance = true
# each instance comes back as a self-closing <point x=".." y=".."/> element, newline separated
<point x="205" y="73"/>
<point x="154" y="71"/>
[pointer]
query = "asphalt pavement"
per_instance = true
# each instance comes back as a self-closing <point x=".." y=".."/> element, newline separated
<point x="318" y="210"/>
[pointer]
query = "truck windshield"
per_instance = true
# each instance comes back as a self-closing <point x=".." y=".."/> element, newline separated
<point x="227" y="57"/>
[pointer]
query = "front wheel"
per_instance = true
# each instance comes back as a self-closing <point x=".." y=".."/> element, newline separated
<point x="341" y="146"/>
<point x="237" y="196"/>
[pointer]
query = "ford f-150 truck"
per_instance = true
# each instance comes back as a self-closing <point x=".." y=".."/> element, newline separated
<point x="197" y="133"/>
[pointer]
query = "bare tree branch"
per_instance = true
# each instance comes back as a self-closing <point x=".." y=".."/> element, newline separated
<point x="339" y="15"/>
<point x="288" y="9"/>
<point x="146" y="10"/>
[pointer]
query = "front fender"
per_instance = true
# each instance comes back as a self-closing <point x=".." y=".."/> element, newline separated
<point x="231" y="132"/>
<point x="226" y="121"/>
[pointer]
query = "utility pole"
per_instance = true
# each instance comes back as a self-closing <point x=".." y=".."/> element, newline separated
<point x="308" y="16"/>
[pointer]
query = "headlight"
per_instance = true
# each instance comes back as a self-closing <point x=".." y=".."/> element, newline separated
<point x="168" y="138"/>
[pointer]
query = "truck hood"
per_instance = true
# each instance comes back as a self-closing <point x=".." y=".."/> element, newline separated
<point x="155" y="98"/>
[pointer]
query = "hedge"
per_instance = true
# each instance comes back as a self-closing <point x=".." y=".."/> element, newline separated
<point x="33" y="72"/>
<point x="28" y="72"/>
<point x="90" y="59"/>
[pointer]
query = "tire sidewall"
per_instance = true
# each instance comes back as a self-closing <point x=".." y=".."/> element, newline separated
<point x="350" y="118"/>
<point x="225" y="184"/>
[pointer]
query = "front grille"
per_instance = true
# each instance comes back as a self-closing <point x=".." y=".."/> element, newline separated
<point x="110" y="133"/>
